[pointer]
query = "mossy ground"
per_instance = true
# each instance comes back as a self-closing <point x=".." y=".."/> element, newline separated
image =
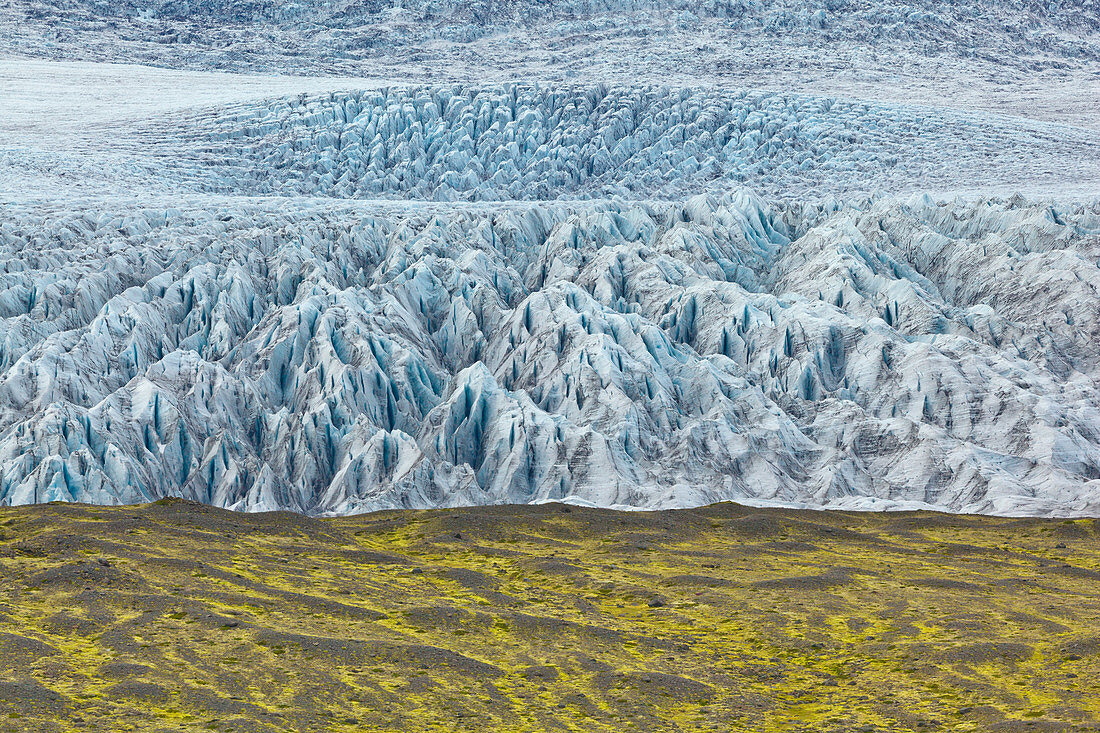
<point x="175" y="616"/>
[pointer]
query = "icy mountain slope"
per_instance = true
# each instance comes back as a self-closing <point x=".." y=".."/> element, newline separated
<point x="337" y="357"/>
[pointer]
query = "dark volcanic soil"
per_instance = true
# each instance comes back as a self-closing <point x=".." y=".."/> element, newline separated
<point x="176" y="616"/>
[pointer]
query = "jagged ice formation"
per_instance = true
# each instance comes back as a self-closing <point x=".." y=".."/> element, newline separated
<point x="529" y="142"/>
<point x="729" y="249"/>
<point x="336" y="357"/>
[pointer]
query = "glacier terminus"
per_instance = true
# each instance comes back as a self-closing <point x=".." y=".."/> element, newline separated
<point x="442" y="256"/>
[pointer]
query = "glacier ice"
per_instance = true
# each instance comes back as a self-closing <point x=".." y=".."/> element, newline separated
<point x="341" y="356"/>
<point x="768" y="252"/>
<point x="521" y="141"/>
<point x="436" y="35"/>
<point x="510" y="142"/>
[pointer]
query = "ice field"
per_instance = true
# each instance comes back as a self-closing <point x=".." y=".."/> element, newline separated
<point x="359" y="256"/>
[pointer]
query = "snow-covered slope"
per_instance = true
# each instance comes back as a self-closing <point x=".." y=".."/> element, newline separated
<point x="335" y="357"/>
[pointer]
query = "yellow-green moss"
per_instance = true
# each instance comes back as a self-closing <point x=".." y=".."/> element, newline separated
<point x="178" y="617"/>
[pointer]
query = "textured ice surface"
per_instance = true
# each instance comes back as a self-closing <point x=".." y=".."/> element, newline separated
<point x="344" y="357"/>
<point x="1031" y="58"/>
<point x="349" y="33"/>
<point x="525" y="142"/>
<point x="633" y="254"/>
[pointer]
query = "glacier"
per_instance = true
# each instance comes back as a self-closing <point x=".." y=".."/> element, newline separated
<point x="511" y="142"/>
<point x="336" y="257"/>
<point x="344" y="356"/>
<point x="1029" y="57"/>
<point x="522" y="141"/>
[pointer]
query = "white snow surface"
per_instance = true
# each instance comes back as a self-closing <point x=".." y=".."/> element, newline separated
<point x="626" y="253"/>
